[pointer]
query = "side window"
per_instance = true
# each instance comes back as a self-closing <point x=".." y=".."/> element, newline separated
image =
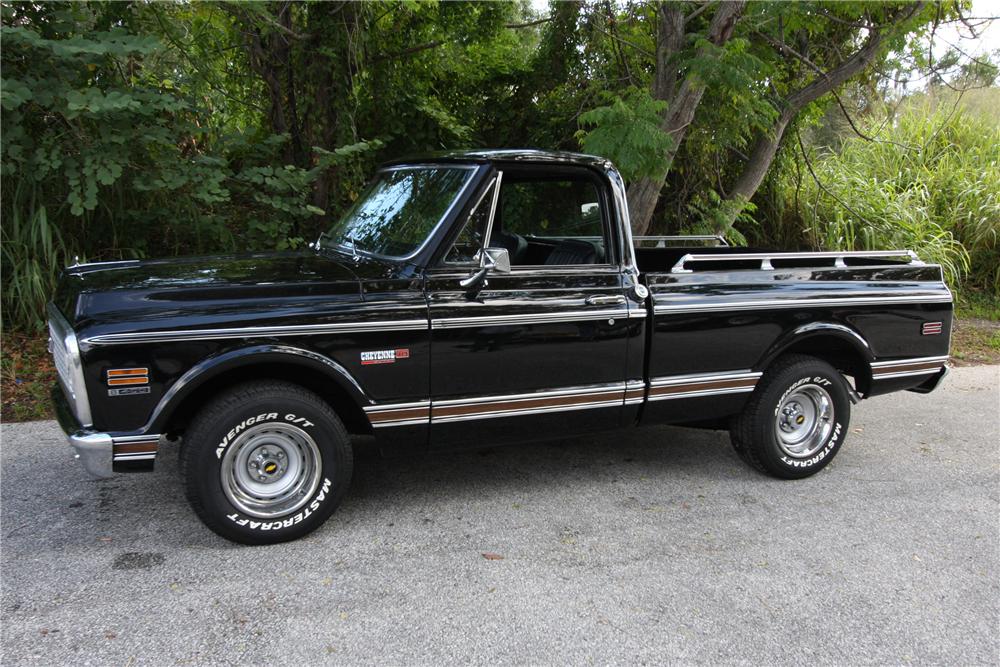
<point x="550" y="221"/>
<point x="470" y="239"/>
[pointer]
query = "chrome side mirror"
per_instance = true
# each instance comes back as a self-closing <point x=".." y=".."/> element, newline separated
<point x="498" y="260"/>
<point x="491" y="259"/>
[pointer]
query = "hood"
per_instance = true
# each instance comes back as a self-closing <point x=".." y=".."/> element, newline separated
<point x="133" y="291"/>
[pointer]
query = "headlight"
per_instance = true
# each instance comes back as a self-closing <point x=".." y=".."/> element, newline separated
<point x="66" y="356"/>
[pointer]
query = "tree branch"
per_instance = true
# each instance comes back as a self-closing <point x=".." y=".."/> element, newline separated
<point x="844" y="71"/>
<point x="623" y="41"/>
<point x="440" y="42"/>
<point x="850" y="121"/>
<point x="705" y="5"/>
<point x="410" y="51"/>
<point x="781" y="46"/>
<point x="518" y="26"/>
<point x="819" y="183"/>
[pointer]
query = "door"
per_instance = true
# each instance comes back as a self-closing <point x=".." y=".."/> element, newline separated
<point x="539" y="352"/>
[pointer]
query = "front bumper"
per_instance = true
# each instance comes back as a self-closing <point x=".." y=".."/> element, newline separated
<point x="103" y="454"/>
<point x="94" y="450"/>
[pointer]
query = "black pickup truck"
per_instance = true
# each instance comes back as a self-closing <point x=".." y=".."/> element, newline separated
<point x="474" y="299"/>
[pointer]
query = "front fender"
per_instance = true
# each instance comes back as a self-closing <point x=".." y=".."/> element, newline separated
<point x="227" y="361"/>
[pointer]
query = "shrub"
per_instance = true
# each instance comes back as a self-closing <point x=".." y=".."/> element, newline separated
<point x="931" y="183"/>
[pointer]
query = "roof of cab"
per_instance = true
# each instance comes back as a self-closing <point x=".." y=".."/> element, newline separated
<point x="487" y="155"/>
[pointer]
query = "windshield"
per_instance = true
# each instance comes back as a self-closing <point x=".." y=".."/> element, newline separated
<point x="399" y="210"/>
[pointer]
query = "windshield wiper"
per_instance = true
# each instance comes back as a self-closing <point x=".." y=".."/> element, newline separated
<point x="335" y="245"/>
<point x="322" y="236"/>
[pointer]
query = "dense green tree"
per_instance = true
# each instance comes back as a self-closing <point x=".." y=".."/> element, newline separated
<point x="762" y="66"/>
<point x="133" y="129"/>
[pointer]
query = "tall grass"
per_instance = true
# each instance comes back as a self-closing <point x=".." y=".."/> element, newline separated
<point x="32" y="252"/>
<point x="930" y="183"/>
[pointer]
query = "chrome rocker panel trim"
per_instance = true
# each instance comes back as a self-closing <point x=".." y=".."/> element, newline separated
<point x="698" y="385"/>
<point x="499" y="405"/>
<point x="903" y="368"/>
<point x="909" y="362"/>
<point x="617" y="394"/>
<point x="415" y="413"/>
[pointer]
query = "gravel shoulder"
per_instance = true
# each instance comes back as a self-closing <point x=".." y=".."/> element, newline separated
<point x="650" y="546"/>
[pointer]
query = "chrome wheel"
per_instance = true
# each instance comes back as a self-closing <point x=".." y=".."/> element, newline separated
<point x="271" y="470"/>
<point x="804" y="421"/>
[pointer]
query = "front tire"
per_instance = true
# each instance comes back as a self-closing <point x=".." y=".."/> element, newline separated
<point x="266" y="462"/>
<point x="796" y="419"/>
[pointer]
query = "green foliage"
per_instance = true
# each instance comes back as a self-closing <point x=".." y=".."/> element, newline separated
<point x="711" y="214"/>
<point x="120" y="161"/>
<point x="931" y="182"/>
<point x="984" y="305"/>
<point x="30" y="247"/>
<point x="628" y="133"/>
<point x="144" y="129"/>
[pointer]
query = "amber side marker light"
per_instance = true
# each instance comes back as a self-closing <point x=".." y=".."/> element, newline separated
<point x="125" y="376"/>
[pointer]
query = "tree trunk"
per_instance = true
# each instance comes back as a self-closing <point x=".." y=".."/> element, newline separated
<point x="766" y="143"/>
<point x="331" y="66"/>
<point x="682" y="102"/>
<point x="299" y="155"/>
<point x="761" y="156"/>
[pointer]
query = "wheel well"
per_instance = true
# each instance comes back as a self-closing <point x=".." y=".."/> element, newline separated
<point x="322" y="385"/>
<point x="838" y="353"/>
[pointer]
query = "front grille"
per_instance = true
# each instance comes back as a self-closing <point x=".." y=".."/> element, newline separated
<point x="60" y="356"/>
<point x="66" y="357"/>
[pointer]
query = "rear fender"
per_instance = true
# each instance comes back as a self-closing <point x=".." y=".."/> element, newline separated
<point x="809" y="339"/>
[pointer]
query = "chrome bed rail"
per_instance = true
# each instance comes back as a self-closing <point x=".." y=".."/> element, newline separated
<point x="665" y="241"/>
<point x="766" y="258"/>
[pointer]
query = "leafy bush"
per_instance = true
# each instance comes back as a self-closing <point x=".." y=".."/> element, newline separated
<point x="102" y="159"/>
<point x="931" y="183"/>
<point x="627" y="131"/>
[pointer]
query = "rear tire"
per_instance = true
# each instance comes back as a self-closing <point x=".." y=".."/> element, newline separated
<point x="796" y="419"/>
<point x="266" y="462"/>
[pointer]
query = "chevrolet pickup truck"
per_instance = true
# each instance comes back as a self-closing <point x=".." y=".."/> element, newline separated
<point x="473" y="299"/>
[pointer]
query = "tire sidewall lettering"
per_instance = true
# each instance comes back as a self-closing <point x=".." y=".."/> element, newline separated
<point x="792" y="387"/>
<point x="835" y="436"/>
<point x="286" y="522"/>
<point x="322" y="494"/>
<point x="232" y="433"/>
<point x="291" y="418"/>
<point x="827" y="450"/>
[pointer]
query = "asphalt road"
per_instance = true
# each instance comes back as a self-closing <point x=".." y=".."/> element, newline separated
<point x="653" y="546"/>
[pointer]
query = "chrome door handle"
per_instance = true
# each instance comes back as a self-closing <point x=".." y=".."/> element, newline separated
<point x="617" y="300"/>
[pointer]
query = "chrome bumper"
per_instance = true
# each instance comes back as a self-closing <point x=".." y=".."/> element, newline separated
<point x="95" y="451"/>
<point x="101" y="453"/>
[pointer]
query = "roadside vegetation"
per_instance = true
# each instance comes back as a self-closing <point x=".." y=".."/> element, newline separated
<point x="928" y="178"/>
<point x="134" y="130"/>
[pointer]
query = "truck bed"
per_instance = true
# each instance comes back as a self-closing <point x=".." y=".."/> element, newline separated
<point x="719" y="315"/>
